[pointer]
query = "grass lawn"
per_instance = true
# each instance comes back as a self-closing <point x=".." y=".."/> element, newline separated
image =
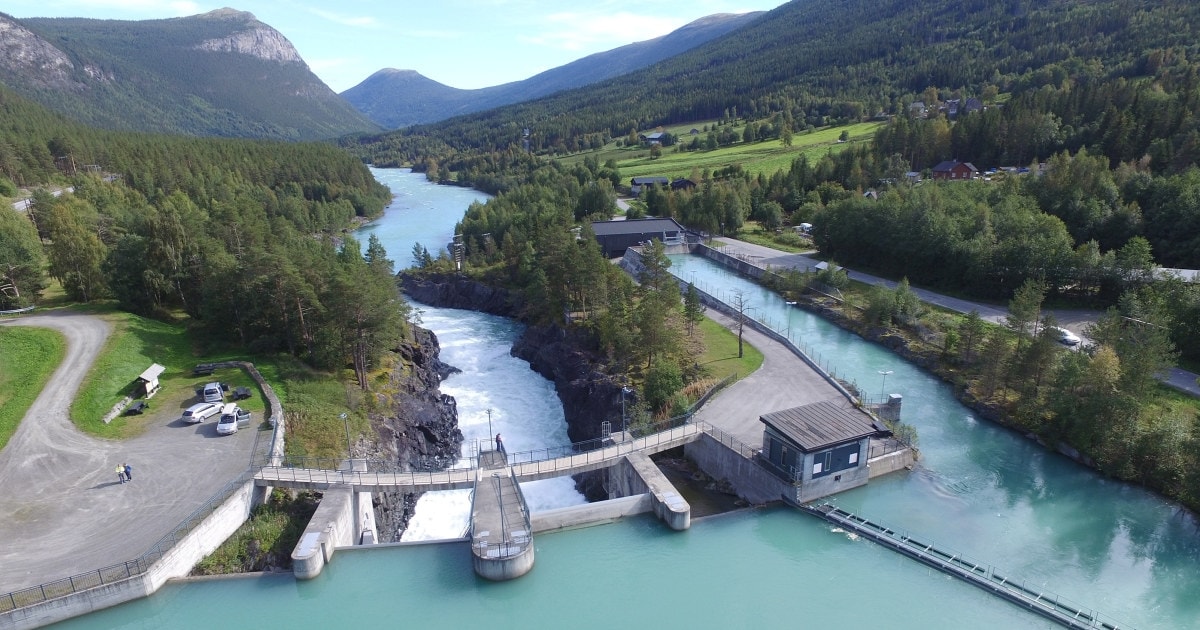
<point x="785" y="241"/>
<point x="721" y="352"/>
<point x="757" y="157"/>
<point x="135" y="343"/>
<point x="29" y="356"/>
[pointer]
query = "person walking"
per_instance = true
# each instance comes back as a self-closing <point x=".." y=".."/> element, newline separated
<point x="499" y="444"/>
<point x="128" y="472"/>
<point x="121" y="473"/>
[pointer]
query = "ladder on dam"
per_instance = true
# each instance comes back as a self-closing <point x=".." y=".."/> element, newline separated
<point x="977" y="574"/>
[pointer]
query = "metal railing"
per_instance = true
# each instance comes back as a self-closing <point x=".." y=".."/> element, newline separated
<point x="122" y="570"/>
<point x="260" y="453"/>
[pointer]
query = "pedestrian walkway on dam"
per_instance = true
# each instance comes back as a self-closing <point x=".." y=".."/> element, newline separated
<point x="501" y="536"/>
<point x="524" y="466"/>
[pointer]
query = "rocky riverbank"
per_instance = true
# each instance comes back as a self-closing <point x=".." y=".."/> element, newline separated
<point x="588" y="393"/>
<point x="418" y="430"/>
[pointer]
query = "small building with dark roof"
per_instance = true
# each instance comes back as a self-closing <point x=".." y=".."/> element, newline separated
<point x="821" y="448"/>
<point x="682" y="184"/>
<point x="636" y="184"/>
<point x="955" y="170"/>
<point x="617" y="236"/>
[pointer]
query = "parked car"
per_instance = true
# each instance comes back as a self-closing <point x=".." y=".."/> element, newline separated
<point x="199" y="412"/>
<point x="212" y="393"/>
<point x="1066" y="337"/>
<point x="232" y="418"/>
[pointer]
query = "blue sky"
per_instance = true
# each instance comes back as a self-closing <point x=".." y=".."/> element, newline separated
<point x="462" y="43"/>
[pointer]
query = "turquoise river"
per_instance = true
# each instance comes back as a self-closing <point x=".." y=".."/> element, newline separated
<point x="979" y="490"/>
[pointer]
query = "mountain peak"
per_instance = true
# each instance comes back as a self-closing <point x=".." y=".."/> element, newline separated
<point x="256" y="40"/>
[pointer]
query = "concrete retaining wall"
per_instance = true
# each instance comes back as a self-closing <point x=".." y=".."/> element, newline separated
<point x="890" y="463"/>
<point x="177" y="562"/>
<point x="638" y="474"/>
<point x="332" y="526"/>
<point x="589" y="514"/>
<point x="751" y="481"/>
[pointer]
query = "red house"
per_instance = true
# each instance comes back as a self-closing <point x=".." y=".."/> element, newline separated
<point x="953" y="169"/>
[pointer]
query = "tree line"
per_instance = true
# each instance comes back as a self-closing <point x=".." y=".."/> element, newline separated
<point x="249" y="239"/>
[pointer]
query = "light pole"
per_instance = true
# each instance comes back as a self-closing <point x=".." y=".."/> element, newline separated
<point x="883" y="387"/>
<point x="490" y="434"/>
<point x="789" y="318"/>
<point x="349" y="453"/>
<point x="625" y="391"/>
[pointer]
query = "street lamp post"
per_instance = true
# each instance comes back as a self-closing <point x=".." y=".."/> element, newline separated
<point x="349" y="453"/>
<point x="625" y="391"/>
<point x="883" y="387"/>
<point x="789" y="320"/>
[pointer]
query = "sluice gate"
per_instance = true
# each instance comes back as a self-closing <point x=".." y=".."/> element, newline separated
<point x="984" y="576"/>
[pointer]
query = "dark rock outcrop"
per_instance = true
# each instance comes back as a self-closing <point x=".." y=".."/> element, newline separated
<point x="588" y="393"/>
<point x="419" y="430"/>
<point x="455" y="291"/>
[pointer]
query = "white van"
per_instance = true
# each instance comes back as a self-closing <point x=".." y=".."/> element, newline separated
<point x="200" y="411"/>
<point x="212" y="393"/>
<point x="232" y="417"/>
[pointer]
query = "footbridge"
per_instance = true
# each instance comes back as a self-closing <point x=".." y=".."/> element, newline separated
<point x="501" y="533"/>
<point x="363" y="475"/>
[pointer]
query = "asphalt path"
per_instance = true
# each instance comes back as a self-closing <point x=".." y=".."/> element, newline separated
<point x="64" y="512"/>
<point x="1075" y="320"/>
<point x="784" y="381"/>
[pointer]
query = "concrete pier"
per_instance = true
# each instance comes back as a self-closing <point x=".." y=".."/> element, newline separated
<point x="501" y="536"/>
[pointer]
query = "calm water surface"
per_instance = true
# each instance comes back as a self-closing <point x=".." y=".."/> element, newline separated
<point x="979" y="490"/>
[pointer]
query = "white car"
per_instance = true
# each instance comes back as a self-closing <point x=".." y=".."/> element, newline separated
<point x="232" y="417"/>
<point x="1066" y="337"/>
<point x="200" y="411"/>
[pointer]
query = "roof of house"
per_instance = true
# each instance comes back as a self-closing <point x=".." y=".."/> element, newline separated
<point x="636" y="226"/>
<point x="152" y="372"/>
<point x="949" y="165"/>
<point x="657" y="135"/>
<point x="819" y="425"/>
<point x="638" y="181"/>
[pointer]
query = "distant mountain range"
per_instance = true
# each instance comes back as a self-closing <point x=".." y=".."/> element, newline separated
<point x="400" y="98"/>
<point x="222" y="73"/>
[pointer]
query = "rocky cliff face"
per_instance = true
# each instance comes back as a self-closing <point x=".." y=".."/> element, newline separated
<point x="453" y="291"/>
<point x="22" y="52"/>
<point x="256" y="39"/>
<point x="588" y="393"/>
<point x="419" y="430"/>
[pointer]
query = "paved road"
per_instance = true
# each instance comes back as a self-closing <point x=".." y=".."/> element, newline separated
<point x="784" y="381"/>
<point x="1075" y="320"/>
<point x="64" y="512"/>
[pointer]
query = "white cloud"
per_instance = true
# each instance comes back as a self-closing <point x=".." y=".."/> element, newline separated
<point x="346" y="20"/>
<point x="584" y="31"/>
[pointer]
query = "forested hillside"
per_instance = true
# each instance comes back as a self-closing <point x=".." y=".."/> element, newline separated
<point x="816" y="63"/>
<point x="223" y="73"/>
<point x="246" y="238"/>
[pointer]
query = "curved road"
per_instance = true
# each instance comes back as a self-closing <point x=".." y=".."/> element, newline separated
<point x="1076" y="321"/>
<point x="64" y="513"/>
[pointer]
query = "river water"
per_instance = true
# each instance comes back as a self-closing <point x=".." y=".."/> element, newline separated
<point x="979" y="489"/>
